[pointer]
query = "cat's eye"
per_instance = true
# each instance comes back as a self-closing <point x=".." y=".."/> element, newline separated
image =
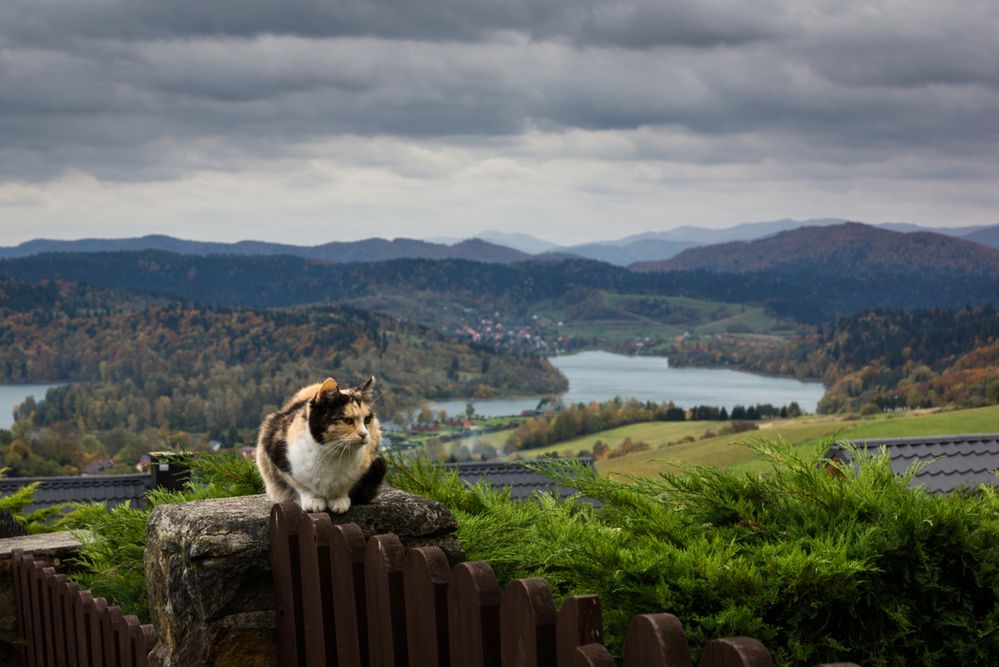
<point x="346" y="420"/>
<point x="367" y="420"/>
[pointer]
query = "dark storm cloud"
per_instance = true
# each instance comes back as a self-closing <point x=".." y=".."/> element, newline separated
<point x="637" y="23"/>
<point x="148" y="90"/>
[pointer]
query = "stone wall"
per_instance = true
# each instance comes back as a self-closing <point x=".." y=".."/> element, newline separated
<point x="208" y="571"/>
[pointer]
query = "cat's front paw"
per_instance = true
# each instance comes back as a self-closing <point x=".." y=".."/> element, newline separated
<point x="312" y="503"/>
<point x="339" y="505"/>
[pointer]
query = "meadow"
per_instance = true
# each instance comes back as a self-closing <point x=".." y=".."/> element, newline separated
<point x="677" y="444"/>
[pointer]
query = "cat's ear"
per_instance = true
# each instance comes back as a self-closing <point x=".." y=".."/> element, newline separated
<point x="366" y="387"/>
<point x="328" y="385"/>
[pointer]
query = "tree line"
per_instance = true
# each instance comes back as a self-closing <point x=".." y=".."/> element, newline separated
<point x="881" y="359"/>
<point x="581" y="419"/>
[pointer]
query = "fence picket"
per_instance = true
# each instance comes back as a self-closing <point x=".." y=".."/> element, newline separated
<point x="97" y="608"/>
<point x="527" y="624"/>
<point x="579" y="623"/>
<point x="656" y="640"/>
<point x="317" y="599"/>
<point x="129" y="654"/>
<point x="48" y="613"/>
<point x="39" y="630"/>
<point x="58" y="619"/>
<point x="80" y="606"/>
<point x="426" y="576"/>
<point x="145" y="642"/>
<point x="735" y="652"/>
<point x="383" y="565"/>
<point x="118" y="635"/>
<point x="70" y="592"/>
<point x="592" y="655"/>
<point x="284" y="525"/>
<point x="111" y="657"/>
<point x="349" y="609"/>
<point x="20" y="606"/>
<point x="473" y="615"/>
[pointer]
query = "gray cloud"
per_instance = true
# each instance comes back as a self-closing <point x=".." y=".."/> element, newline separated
<point x="633" y="24"/>
<point x="148" y="91"/>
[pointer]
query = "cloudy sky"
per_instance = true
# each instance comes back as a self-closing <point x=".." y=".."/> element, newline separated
<point x="307" y="121"/>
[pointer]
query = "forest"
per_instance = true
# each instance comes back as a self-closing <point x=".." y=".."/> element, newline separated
<point x="809" y="295"/>
<point x="149" y="377"/>
<point x="881" y="359"/>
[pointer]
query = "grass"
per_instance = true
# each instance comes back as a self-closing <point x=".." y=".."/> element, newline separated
<point x="654" y="433"/>
<point x="694" y="315"/>
<point x="805" y="434"/>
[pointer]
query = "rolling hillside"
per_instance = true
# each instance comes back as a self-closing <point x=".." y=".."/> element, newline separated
<point x="851" y="248"/>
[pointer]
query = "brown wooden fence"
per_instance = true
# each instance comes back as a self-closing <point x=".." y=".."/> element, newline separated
<point x="60" y="625"/>
<point x="343" y="601"/>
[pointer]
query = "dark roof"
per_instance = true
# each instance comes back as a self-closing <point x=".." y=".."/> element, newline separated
<point x="521" y="480"/>
<point x="954" y="461"/>
<point x="112" y="489"/>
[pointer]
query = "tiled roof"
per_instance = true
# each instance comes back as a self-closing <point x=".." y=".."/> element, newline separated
<point x="113" y="489"/>
<point x="953" y="460"/>
<point x="521" y="480"/>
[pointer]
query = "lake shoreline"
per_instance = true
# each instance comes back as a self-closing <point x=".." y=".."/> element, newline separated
<point x="598" y="375"/>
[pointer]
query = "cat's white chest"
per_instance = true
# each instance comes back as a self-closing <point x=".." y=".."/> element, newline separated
<point x="319" y="467"/>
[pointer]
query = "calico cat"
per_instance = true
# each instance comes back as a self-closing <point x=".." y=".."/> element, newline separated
<point x="320" y="449"/>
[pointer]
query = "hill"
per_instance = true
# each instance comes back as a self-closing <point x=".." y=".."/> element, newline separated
<point x="520" y="290"/>
<point x="989" y="236"/>
<point x="368" y="250"/>
<point x="851" y="248"/>
<point x="644" y="250"/>
<point x="881" y="360"/>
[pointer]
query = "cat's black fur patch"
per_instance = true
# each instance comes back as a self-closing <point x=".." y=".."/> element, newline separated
<point x="366" y="488"/>
<point x="321" y="412"/>
<point x="279" y="455"/>
<point x="277" y="448"/>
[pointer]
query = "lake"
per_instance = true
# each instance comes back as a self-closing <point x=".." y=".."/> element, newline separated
<point x="600" y="376"/>
<point x="14" y="394"/>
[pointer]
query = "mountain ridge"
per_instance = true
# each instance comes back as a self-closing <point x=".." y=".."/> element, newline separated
<point x="852" y="247"/>
<point x="366" y="250"/>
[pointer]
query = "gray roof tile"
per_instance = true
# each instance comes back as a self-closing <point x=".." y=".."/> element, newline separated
<point x="113" y="489"/>
<point x="952" y="461"/>
<point x="521" y="480"/>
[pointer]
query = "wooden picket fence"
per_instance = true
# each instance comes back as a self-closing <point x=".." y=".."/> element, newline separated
<point x="60" y="625"/>
<point x="348" y="602"/>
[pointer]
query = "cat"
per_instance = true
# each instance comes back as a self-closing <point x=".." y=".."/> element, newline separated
<point x="320" y="449"/>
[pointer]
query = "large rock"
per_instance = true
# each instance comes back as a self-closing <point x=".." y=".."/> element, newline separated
<point x="208" y="571"/>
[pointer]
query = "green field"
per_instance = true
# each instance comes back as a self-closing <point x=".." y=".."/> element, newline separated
<point x="618" y="317"/>
<point x="806" y="433"/>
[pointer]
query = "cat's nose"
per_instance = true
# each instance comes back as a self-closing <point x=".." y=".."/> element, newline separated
<point x="364" y="434"/>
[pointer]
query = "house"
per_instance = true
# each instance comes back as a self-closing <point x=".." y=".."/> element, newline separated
<point x="953" y="461"/>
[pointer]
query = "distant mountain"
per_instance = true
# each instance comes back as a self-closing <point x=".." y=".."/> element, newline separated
<point x="988" y="236"/>
<point x="851" y="248"/>
<point x="647" y="250"/>
<point x="523" y="242"/>
<point x="946" y="231"/>
<point x="742" y="232"/>
<point x="368" y="250"/>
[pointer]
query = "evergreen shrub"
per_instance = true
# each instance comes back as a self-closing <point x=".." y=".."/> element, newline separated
<point x="820" y="562"/>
